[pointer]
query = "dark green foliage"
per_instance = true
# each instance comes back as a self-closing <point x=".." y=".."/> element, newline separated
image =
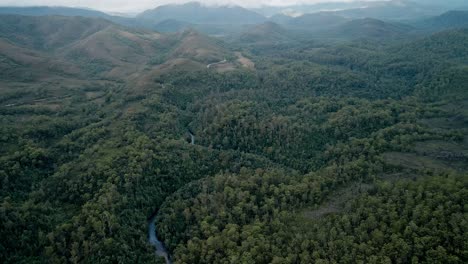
<point x="419" y="221"/>
<point x="250" y="218"/>
<point x="85" y="162"/>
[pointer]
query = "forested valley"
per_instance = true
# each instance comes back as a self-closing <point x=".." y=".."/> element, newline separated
<point x="305" y="151"/>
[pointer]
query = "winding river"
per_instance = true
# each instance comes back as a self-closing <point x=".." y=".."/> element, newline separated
<point x="161" y="250"/>
<point x="153" y="239"/>
<point x="192" y="138"/>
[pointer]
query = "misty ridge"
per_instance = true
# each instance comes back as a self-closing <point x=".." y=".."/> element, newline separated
<point x="195" y="14"/>
<point x="330" y="132"/>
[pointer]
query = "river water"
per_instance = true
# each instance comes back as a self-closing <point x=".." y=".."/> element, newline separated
<point x="153" y="239"/>
<point x="192" y="138"/>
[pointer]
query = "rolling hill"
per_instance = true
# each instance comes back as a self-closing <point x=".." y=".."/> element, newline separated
<point x="447" y="45"/>
<point x="280" y="18"/>
<point x="100" y="47"/>
<point x="367" y="28"/>
<point x="448" y="20"/>
<point x="48" y="33"/>
<point x="194" y="45"/>
<point x="19" y="63"/>
<point x="52" y="11"/>
<point x="268" y="32"/>
<point x="316" y="21"/>
<point x="172" y="25"/>
<point x="73" y="12"/>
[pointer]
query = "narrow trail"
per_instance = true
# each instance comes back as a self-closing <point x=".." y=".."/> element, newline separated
<point x="216" y="63"/>
<point x="38" y="100"/>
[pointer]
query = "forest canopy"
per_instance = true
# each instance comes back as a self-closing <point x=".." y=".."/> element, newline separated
<point x="305" y="151"/>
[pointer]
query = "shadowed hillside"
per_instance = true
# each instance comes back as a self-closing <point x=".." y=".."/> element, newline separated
<point x="367" y="28"/>
<point x="199" y="47"/>
<point x="446" y="45"/>
<point x="48" y="11"/>
<point x="451" y="19"/>
<point x="172" y="25"/>
<point x="317" y="21"/>
<point x="268" y="32"/>
<point x="48" y="32"/>
<point x="395" y="9"/>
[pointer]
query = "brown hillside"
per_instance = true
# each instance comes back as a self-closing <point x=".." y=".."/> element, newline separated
<point x="198" y="47"/>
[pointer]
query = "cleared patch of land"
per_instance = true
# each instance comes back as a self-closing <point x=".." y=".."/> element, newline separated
<point x="445" y="122"/>
<point x="414" y="161"/>
<point x="337" y="200"/>
<point x="245" y="62"/>
<point x="445" y="150"/>
<point x="224" y="67"/>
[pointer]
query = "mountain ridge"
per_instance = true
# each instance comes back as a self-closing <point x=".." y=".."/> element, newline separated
<point x="194" y="12"/>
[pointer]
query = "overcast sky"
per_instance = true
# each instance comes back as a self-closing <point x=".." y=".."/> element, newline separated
<point x="139" y="5"/>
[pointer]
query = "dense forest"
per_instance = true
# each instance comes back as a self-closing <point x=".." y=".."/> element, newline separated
<point x="309" y="151"/>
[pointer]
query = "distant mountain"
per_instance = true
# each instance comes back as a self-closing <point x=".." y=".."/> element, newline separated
<point x="47" y="11"/>
<point x="270" y="11"/>
<point x="200" y="14"/>
<point x="50" y="32"/>
<point x="30" y="45"/>
<point x="267" y="32"/>
<point x="392" y="10"/>
<point x="448" y="20"/>
<point x="92" y="44"/>
<point x="367" y="28"/>
<point x="445" y="3"/>
<point x="316" y="21"/>
<point x="280" y="19"/>
<point x="172" y="25"/>
<point x="68" y="11"/>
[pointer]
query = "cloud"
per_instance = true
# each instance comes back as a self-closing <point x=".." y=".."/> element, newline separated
<point x="139" y="5"/>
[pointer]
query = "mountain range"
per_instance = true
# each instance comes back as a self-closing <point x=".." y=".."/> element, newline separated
<point x="95" y="46"/>
<point x="451" y="19"/>
<point x="195" y="12"/>
<point x="378" y="20"/>
<point x="174" y="17"/>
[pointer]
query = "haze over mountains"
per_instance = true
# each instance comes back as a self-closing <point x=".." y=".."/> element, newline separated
<point x="225" y="20"/>
<point x="197" y="13"/>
